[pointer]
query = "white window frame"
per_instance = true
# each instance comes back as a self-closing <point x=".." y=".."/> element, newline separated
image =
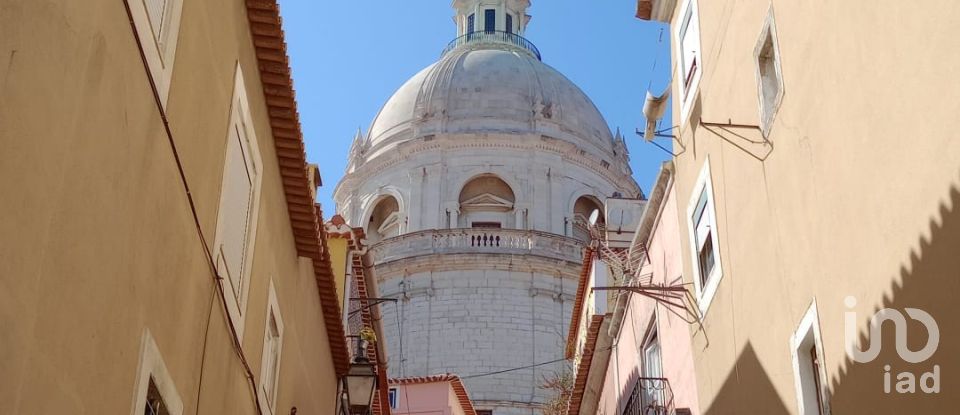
<point x="240" y="118"/>
<point x="809" y="325"/>
<point x="159" y="53"/>
<point x="392" y="398"/>
<point x="687" y="94"/>
<point x="267" y="405"/>
<point x="704" y="294"/>
<point x="152" y="366"/>
<point x="768" y="114"/>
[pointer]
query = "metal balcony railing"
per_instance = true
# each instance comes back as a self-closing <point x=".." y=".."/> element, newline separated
<point x="496" y="38"/>
<point x="650" y="396"/>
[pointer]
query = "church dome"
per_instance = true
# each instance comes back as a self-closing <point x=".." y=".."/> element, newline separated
<point x="490" y="86"/>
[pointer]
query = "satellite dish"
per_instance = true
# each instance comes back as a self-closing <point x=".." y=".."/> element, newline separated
<point x="594" y="216"/>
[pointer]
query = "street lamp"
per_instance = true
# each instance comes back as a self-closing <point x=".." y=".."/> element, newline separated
<point x="361" y="381"/>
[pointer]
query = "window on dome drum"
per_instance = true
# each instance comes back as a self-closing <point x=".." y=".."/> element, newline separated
<point x="702" y="228"/>
<point x="486" y="199"/>
<point x="582" y="209"/>
<point x="471" y="23"/>
<point x="385" y="220"/>
<point x="488" y="225"/>
<point x="769" y="77"/>
<point x="490" y="20"/>
<point x="509" y="23"/>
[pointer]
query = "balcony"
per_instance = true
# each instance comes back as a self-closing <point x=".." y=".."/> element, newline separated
<point x="477" y="241"/>
<point x="650" y="396"/>
<point x="493" y="38"/>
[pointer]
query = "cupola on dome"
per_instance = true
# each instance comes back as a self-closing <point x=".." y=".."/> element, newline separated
<point x="490" y="79"/>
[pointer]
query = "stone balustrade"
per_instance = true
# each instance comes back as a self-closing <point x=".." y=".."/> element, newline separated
<point x="477" y="241"/>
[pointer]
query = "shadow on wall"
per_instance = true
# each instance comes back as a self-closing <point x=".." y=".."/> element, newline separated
<point x="931" y="282"/>
<point x="747" y="390"/>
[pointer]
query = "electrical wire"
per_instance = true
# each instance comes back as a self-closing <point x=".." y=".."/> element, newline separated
<point x="528" y="366"/>
<point x="238" y="350"/>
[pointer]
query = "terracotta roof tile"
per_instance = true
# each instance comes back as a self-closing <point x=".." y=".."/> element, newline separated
<point x="583" y="369"/>
<point x="455" y="382"/>
<point x="305" y="216"/>
<point x="588" y="257"/>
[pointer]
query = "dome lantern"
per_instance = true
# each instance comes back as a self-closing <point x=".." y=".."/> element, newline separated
<point x="508" y="16"/>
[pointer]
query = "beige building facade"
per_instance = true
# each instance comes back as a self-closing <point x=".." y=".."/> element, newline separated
<point x="161" y="250"/>
<point x="816" y="184"/>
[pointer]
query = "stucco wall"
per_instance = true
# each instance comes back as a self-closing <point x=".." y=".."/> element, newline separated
<point x="99" y="243"/>
<point x="857" y="196"/>
<point x="641" y="314"/>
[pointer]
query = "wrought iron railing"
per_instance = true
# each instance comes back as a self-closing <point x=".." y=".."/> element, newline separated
<point x="493" y="37"/>
<point x="650" y="396"/>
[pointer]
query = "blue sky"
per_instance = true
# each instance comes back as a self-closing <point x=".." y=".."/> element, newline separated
<point x="348" y="57"/>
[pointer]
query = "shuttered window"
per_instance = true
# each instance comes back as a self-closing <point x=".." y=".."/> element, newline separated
<point x="239" y="175"/>
<point x="238" y="209"/>
<point x="157" y="11"/>
<point x="157" y="25"/>
<point x="490" y="20"/>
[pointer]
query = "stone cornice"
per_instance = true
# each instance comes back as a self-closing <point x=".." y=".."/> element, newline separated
<point x="569" y="152"/>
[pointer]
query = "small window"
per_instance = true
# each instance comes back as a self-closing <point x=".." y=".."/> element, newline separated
<point x="486" y="225"/>
<point x="155" y="404"/>
<point x="702" y="226"/>
<point x="471" y="23"/>
<point x="270" y="360"/>
<point x="156" y="393"/>
<point x="392" y="397"/>
<point x="653" y="387"/>
<point x="490" y="20"/>
<point x="809" y="374"/>
<point x="769" y="76"/>
<point x="690" y="57"/>
<point x="509" y="23"/>
<point x="239" y="205"/>
<point x="158" y="25"/>
<point x="484" y="412"/>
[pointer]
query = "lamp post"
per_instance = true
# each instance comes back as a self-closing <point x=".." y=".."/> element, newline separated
<point x="360" y="382"/>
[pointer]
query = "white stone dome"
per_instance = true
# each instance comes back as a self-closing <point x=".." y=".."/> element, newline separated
<point x="472" y="85"/>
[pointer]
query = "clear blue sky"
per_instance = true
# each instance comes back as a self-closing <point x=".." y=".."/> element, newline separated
<point x="348" y="57"/>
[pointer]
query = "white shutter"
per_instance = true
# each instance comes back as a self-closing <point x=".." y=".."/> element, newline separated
<point x="156" y="11"/>
<point x="689" y="43"/>
<point x="238" y="195"/>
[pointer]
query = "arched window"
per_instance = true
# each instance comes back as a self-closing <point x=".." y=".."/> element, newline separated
<point x="582" y="209"/>
<point x="384" y="220"/>
<point x="486" y="202"/>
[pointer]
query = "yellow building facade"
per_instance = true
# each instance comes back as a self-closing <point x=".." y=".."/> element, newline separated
<point x="817" y="183"/>
<point x="161" y="248"/>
